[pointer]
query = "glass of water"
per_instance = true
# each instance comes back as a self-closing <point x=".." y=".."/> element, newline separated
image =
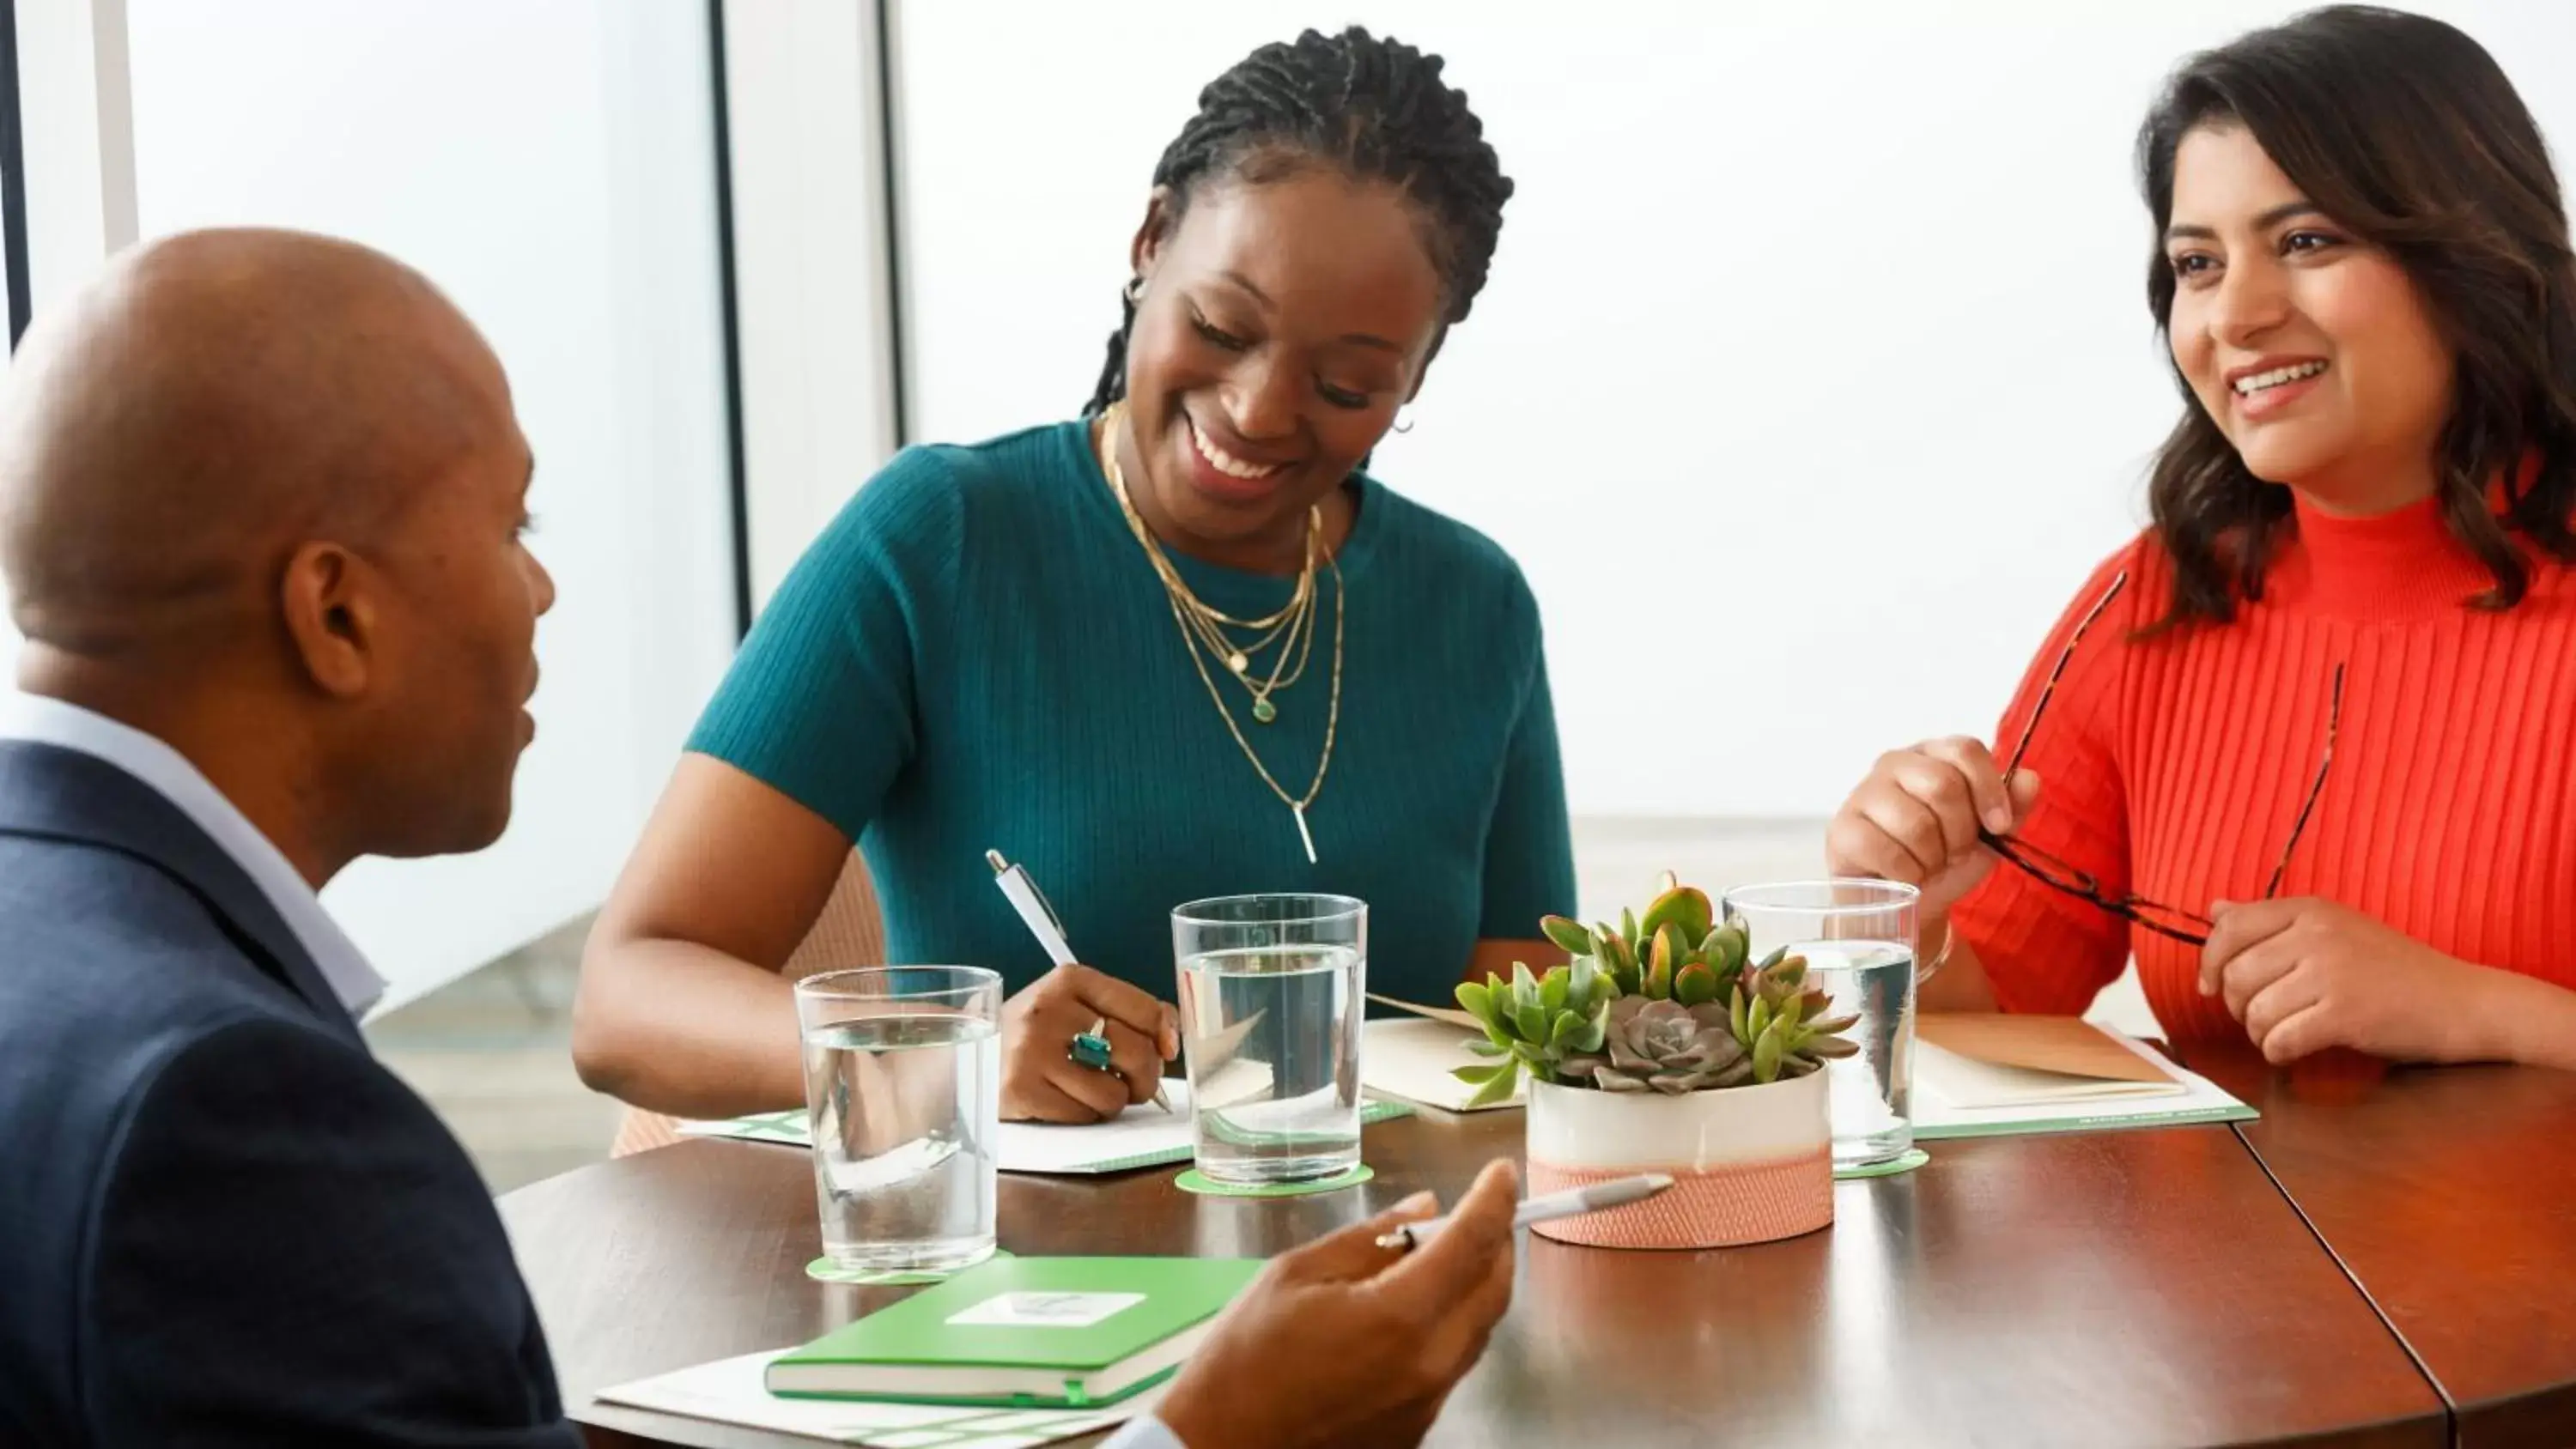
<point x="1272" y="990"/>
<point x="1859" y="939"/>
<point x="903" y="1091"/>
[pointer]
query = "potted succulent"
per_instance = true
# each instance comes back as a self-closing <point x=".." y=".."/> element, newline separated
<point x="1660" y="1048"/>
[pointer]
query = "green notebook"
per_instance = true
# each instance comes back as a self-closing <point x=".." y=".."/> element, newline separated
<point x="1024" y="1333"/>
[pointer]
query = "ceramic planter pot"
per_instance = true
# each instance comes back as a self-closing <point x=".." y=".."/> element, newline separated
<point x="1749" y="1164"/>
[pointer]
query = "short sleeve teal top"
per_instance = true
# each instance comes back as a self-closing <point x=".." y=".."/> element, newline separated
<point x="977" y="655"/>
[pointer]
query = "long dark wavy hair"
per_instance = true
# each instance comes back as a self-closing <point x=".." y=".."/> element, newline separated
<point x="2404" y="130"/>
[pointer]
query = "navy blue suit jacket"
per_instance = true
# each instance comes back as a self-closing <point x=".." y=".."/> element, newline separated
<point x="221" y="1221"/>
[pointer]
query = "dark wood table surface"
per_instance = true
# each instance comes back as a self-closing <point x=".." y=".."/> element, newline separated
<point x="2449" y="1195"/>
<point x="2132" y="1287"/>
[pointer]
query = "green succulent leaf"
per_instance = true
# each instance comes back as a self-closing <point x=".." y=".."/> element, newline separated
<point x="1582" y="983"/>
<point x="1773" y="959"/>
<point x="1735" y="1016"/>
<point x="1485" y="1047"/>
<point x="1476" y="998"/>
<point x="1757" y="1020"/>
<point x="1531" y="1022"/>
<point x="1693" y="985"/>
<point x="1524" y="987"/>
<point x="1561" y="1031"/>
<point x="1496" y="1089"/>
<point x="1591" y="1034"/>
<point x="1567" y="933"/>
<point x="1479" y="1076"/>
<point x="1725" y="947"/>
<point x="1552" y="988"/>
<point x="1628" y="928"/>
<point x="1766" y="1057"/>
<point x="1679" y="905"/>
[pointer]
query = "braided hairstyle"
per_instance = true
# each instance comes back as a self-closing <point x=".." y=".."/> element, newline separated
<point x="1375" y="108"/>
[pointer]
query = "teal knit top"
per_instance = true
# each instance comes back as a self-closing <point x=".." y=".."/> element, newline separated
<point x="977" y="655"/>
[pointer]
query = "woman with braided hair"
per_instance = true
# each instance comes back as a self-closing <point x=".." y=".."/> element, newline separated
<point x="1179" y="646"/>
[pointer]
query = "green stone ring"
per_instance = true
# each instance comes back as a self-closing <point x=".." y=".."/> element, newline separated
<point x="1091" y="1051"/>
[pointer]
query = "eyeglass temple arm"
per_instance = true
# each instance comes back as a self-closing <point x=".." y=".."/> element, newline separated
<point x="2316" y="787"/>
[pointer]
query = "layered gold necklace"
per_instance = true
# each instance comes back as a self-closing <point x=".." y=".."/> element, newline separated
<point x="1203" y="628"/>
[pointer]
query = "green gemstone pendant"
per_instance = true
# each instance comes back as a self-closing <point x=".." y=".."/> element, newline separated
<point x="1264" y="711"/>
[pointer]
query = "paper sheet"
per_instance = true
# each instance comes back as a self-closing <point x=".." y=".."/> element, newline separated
<point x="731" y="1391"/>
<point x="1145" y="1136"/>
<point x="1410" y="1057"/>
<point x="2062" y="1045"/>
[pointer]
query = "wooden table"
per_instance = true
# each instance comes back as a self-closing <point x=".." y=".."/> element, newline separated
<point x="2148" y="1287"/>
<point x="2449" y="1194"/>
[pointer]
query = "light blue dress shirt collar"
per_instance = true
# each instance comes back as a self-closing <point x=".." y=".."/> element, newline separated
<point x="45" y="721"/>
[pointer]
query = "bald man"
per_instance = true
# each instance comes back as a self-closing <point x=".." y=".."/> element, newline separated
<point x="262" y="500"/>
<point x="261" y="506"/>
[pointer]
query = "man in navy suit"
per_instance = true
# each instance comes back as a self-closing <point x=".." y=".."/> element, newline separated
<point x="263" y="502"/>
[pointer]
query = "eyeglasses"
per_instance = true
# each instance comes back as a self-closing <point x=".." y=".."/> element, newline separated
<point x="2061" y="874"/>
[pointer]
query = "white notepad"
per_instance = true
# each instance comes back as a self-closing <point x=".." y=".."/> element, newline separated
<point x="732" y="1391"/>
<point x="1144" y="1136"/>
<point x="1957" y="1096"/>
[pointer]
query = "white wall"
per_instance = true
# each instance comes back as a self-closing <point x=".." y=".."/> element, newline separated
<point x="551" y="167"/>
<point x="1815" y="355"/>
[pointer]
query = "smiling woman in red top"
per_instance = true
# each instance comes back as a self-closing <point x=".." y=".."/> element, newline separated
<point x="2305" y="745"/>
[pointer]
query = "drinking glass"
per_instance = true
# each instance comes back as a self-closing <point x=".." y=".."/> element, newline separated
<point x="1859" y="940"/>
<point x="903" y="1091"/>
<point x="1272" y="989"/>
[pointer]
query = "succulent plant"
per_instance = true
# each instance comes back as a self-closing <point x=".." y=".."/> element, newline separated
<point x="1781" y="1021"/>
<point x="1663" y="1002"/>
<point x="1665" y="1046"/>
<point x="1534" y="1023"/>
<point x="1675" y="951"/>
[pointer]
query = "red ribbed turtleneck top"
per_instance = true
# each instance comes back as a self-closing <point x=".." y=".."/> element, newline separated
<point x="2174" y="767"/>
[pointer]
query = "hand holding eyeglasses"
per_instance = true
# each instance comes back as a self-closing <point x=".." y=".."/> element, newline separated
<point x="2305" y="974"/>
<point x="1921" y="817"/>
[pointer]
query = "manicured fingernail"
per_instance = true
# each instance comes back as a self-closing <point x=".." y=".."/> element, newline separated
<point x="1999" y="820"/>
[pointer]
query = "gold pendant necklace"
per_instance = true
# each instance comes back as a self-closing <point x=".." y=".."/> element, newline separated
<point x="1176" y="591"/>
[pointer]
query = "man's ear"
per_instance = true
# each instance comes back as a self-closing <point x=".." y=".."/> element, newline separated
<point x="328" y="598"/>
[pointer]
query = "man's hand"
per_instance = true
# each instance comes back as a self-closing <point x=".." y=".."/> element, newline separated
<point x="1342" y="1342"/>
<point x="2306" y="974"/>
<point x="1041" y="1082"/>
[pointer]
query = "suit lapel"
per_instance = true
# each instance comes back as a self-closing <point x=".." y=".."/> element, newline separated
<point x="49" y="793"/>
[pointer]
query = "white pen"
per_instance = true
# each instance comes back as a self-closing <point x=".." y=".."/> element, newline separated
<point x="1571" y="1203"/>
<point x="1031" y="903"/>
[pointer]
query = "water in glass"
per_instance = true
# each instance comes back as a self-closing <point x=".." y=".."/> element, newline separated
<point x="1873" y="1118"/>
<point x="1272" y="1037"/>
<point x="901" y="1108"/>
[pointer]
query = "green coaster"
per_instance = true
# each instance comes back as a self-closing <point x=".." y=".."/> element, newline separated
<point x="822" y="1270"/>
<point x="1199" y="1182"/>
<point x="1913" y="1158"/>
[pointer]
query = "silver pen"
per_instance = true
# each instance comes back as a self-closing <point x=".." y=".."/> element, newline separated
<point x="1040" y="917"/>
<point x="1573" y="1202"/>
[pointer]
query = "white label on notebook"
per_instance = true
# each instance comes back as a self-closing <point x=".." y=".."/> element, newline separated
<point x="1046" y="1310"/>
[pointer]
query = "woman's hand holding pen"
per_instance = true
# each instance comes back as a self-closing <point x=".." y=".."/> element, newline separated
<point x="1042" y="1082"/>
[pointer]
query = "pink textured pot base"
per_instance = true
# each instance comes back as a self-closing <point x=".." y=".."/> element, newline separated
<point x="1749" y="1203"/>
